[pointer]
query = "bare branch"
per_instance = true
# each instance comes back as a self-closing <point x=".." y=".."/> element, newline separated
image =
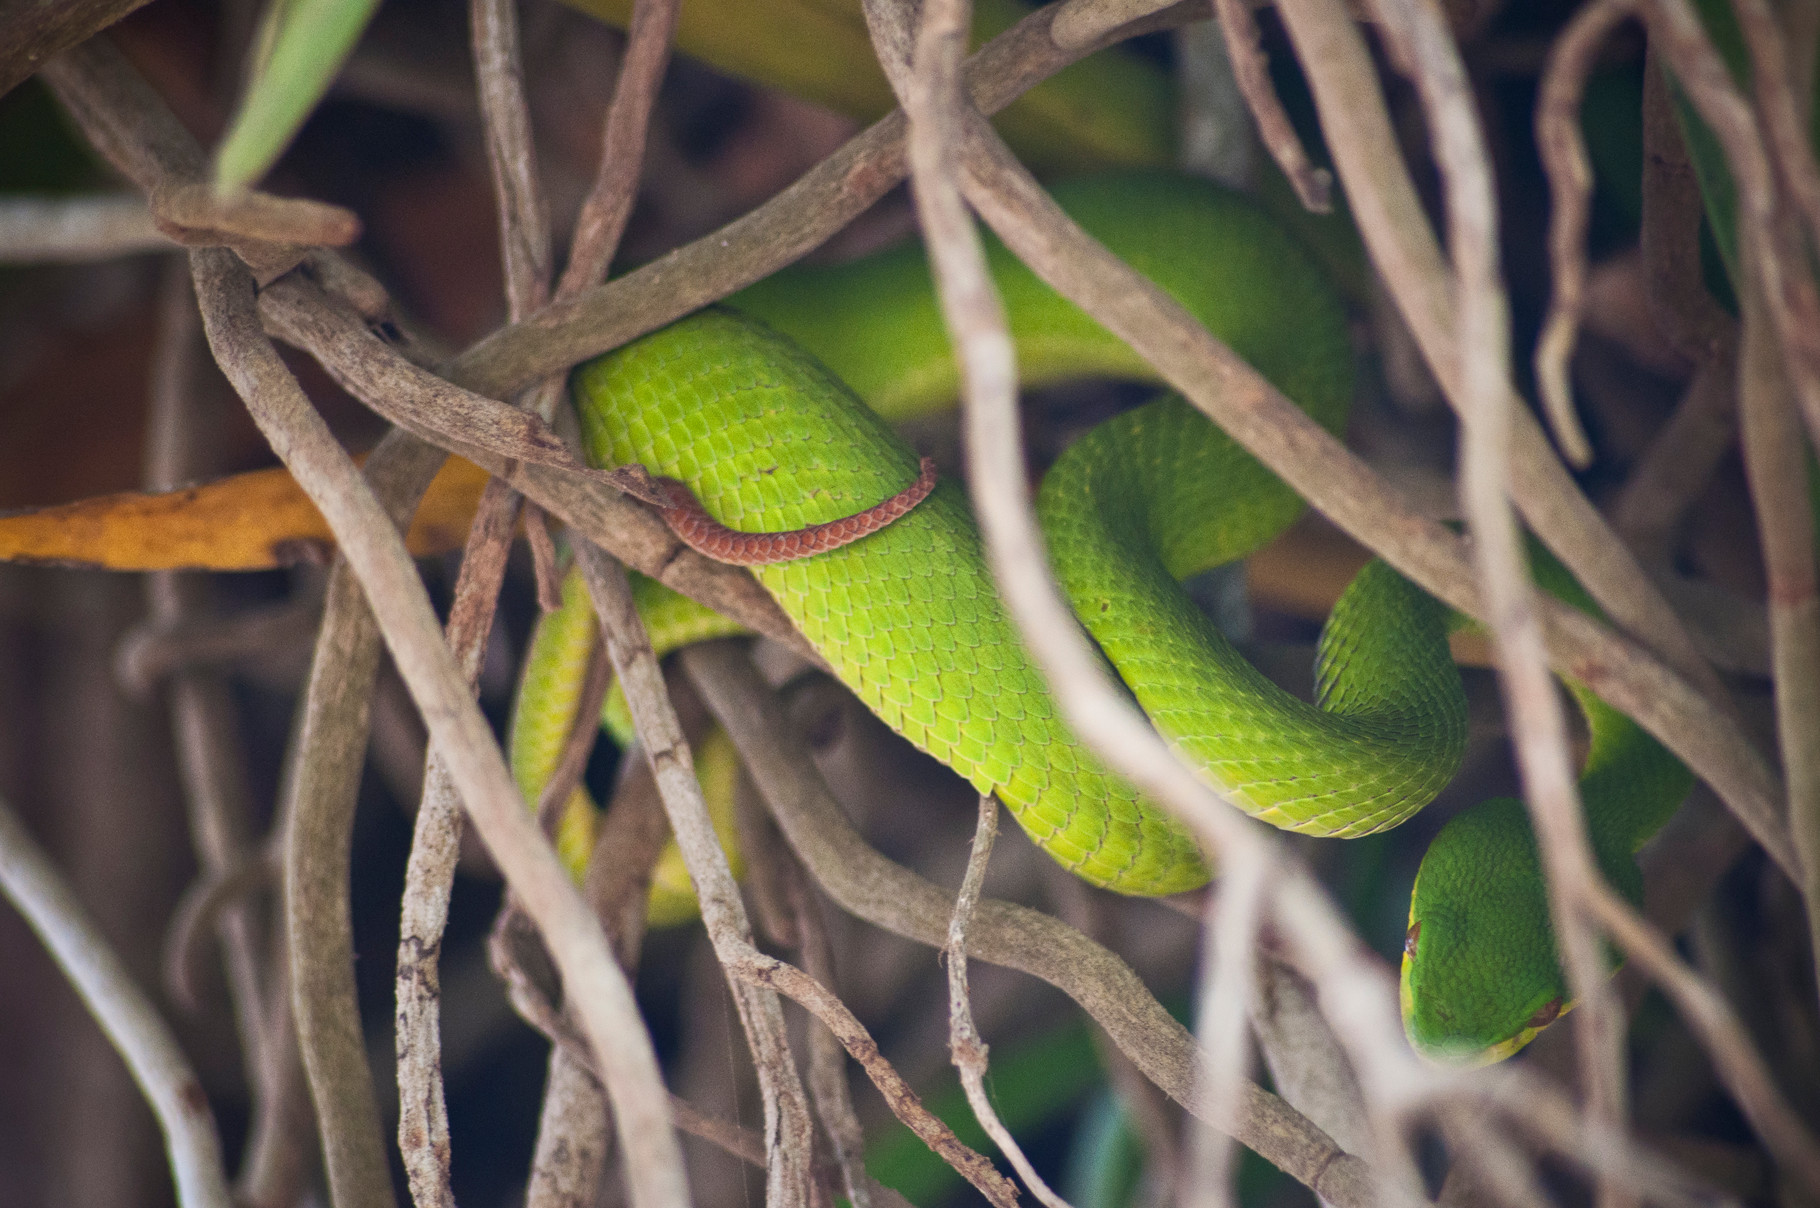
<point x="61" y="230"/>
<point x="1776" y="464"/>
<point x="964" y="1044"/>
<point x="608" y="1014"/>
<point x="1403" y="248"/>
<point x="609" y="203"/>
<point x="1313" y="186"/>
<point x="1570" y="60"/>
<point x="788" y="1131"/>
<point x="131" y="1022"/>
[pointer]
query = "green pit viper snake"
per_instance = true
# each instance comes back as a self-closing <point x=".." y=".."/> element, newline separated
<point x="764" y="421"/>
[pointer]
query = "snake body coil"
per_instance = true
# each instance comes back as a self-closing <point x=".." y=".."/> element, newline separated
<point x="765" y="431"/>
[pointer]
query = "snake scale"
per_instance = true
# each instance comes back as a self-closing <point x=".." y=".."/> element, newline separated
<point x="775" y="412"/>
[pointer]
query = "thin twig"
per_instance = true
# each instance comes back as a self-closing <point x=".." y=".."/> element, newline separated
<point x="423" y="1125"/>
<point x="1570" y="60"/>
<point x="1313" y="185"/>
<point x="1777" y="272"/>
<point x="798" y="220"/>
<point x="608" y="1013"/>
<point x="788" y="1131"/>
<point x="132" y="1024"/>
<point x="1724" y="1038"/>
<point x="1767" y="227"/>
<point x="1403" y="247"/>
<point x="317" y="819"/>
<point x="1785" y="133"/>
<point x="609" y="203"/>
<point x="199" y="915"/>
<point x="524" y="223"/>
<point x="210" y="757"/>
<point x="1537" y="721"/>
<point x="965" y="1047"/>
<point x="1776" y="465"/>
<point x="1229" y="956"/>
<point x="827" y="1058"/>
<point x="64" y="230"/>
<point x="152" y="651"/>
<point x="1679" y="463"/>
<point x="819" y="1001"/>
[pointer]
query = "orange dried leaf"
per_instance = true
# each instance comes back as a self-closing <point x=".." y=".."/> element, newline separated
<point x="253" y="521"/>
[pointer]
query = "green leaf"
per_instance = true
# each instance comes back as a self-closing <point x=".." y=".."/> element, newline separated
<point x="306" y="43"/>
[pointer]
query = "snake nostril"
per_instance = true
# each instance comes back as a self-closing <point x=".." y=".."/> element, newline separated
<point x="1409" y="941"/>
<point x="1545" y="1014"/>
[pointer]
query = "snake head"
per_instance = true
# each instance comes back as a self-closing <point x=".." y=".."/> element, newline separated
<point x="1480" y="975"/>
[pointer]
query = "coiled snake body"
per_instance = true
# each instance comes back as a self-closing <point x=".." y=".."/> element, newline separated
<point x="764" y="421"/>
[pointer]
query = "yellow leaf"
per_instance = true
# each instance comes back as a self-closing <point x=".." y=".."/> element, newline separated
<point x="253" y="521"/>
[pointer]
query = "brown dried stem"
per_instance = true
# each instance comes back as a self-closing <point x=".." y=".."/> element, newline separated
<point x="964" y="1044"/>
<point x="609" y="204"/>
<point x="1564" y="161"/>
<point x="1313" y="185"/>
<point x="1229" y="957"/>
<point x="133" y="1026"/>
<point x="317" y="816"/>
<point x="608" y="1014"/>
<point x="1785" y="133"/>
<point x="211" y="762"/>
<point x="827" y="1056"/>
<point x="62" y="230"/>
<point x="1779" y="279"/>
<point x="1537" y="721"/>
<point x="423" y="1125"/>
<point x="1402" y="245"/>
<point x="1680" y="461"/>
<point x="788" y="1132"/>
<point x="792" y="224"/>
<point x="1776" y="464"/>
<point x="1724" y="1038"/>
<point x="1767" y="228"/>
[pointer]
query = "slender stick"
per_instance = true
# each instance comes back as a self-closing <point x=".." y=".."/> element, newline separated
<point x="827" y="1058"/>
<point x="1402" y="245"/>
<point x="608" y="1014"/>
<point x="609" y="203"/>
<point x="1569" y="173"/>
<point x="798" y="220"/>
<point x="1229" y="956"/>
<point x="1776" y="465"/>
<point x="1537" y="721"/>
<point x="1313" y="186"/>
<point x="132" y="1024"/>
<point x="964" y="1043"/>
<point x="788" y="1132"/>
<point x="63" y="230"/>
<point x="1711" y="1018"/>
<point x="423" y="1124"/>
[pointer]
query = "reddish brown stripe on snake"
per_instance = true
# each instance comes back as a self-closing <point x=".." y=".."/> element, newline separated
<point x="683" y="512"/>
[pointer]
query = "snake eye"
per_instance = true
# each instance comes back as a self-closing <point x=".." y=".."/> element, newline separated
<point x="1409" y="941"/>
<point x="1545" y="1014"/>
